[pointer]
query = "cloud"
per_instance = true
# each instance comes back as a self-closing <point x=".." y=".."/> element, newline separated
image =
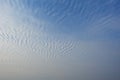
<point x="28" y="48"/>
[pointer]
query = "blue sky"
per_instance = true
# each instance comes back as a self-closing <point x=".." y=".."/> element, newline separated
<point x="76" y="17"/>
<point x="60" y="39"/>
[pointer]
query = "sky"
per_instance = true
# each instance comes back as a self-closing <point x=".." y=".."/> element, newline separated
<point x="59" y="39"/>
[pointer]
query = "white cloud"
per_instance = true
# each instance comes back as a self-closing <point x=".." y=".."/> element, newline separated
<point x="27" y="51"/>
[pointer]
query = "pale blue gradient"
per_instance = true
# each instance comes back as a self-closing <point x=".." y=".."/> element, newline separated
<point x="59" y="39"/>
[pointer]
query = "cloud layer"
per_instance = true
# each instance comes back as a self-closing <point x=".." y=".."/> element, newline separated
<point x="68" y="40"/>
